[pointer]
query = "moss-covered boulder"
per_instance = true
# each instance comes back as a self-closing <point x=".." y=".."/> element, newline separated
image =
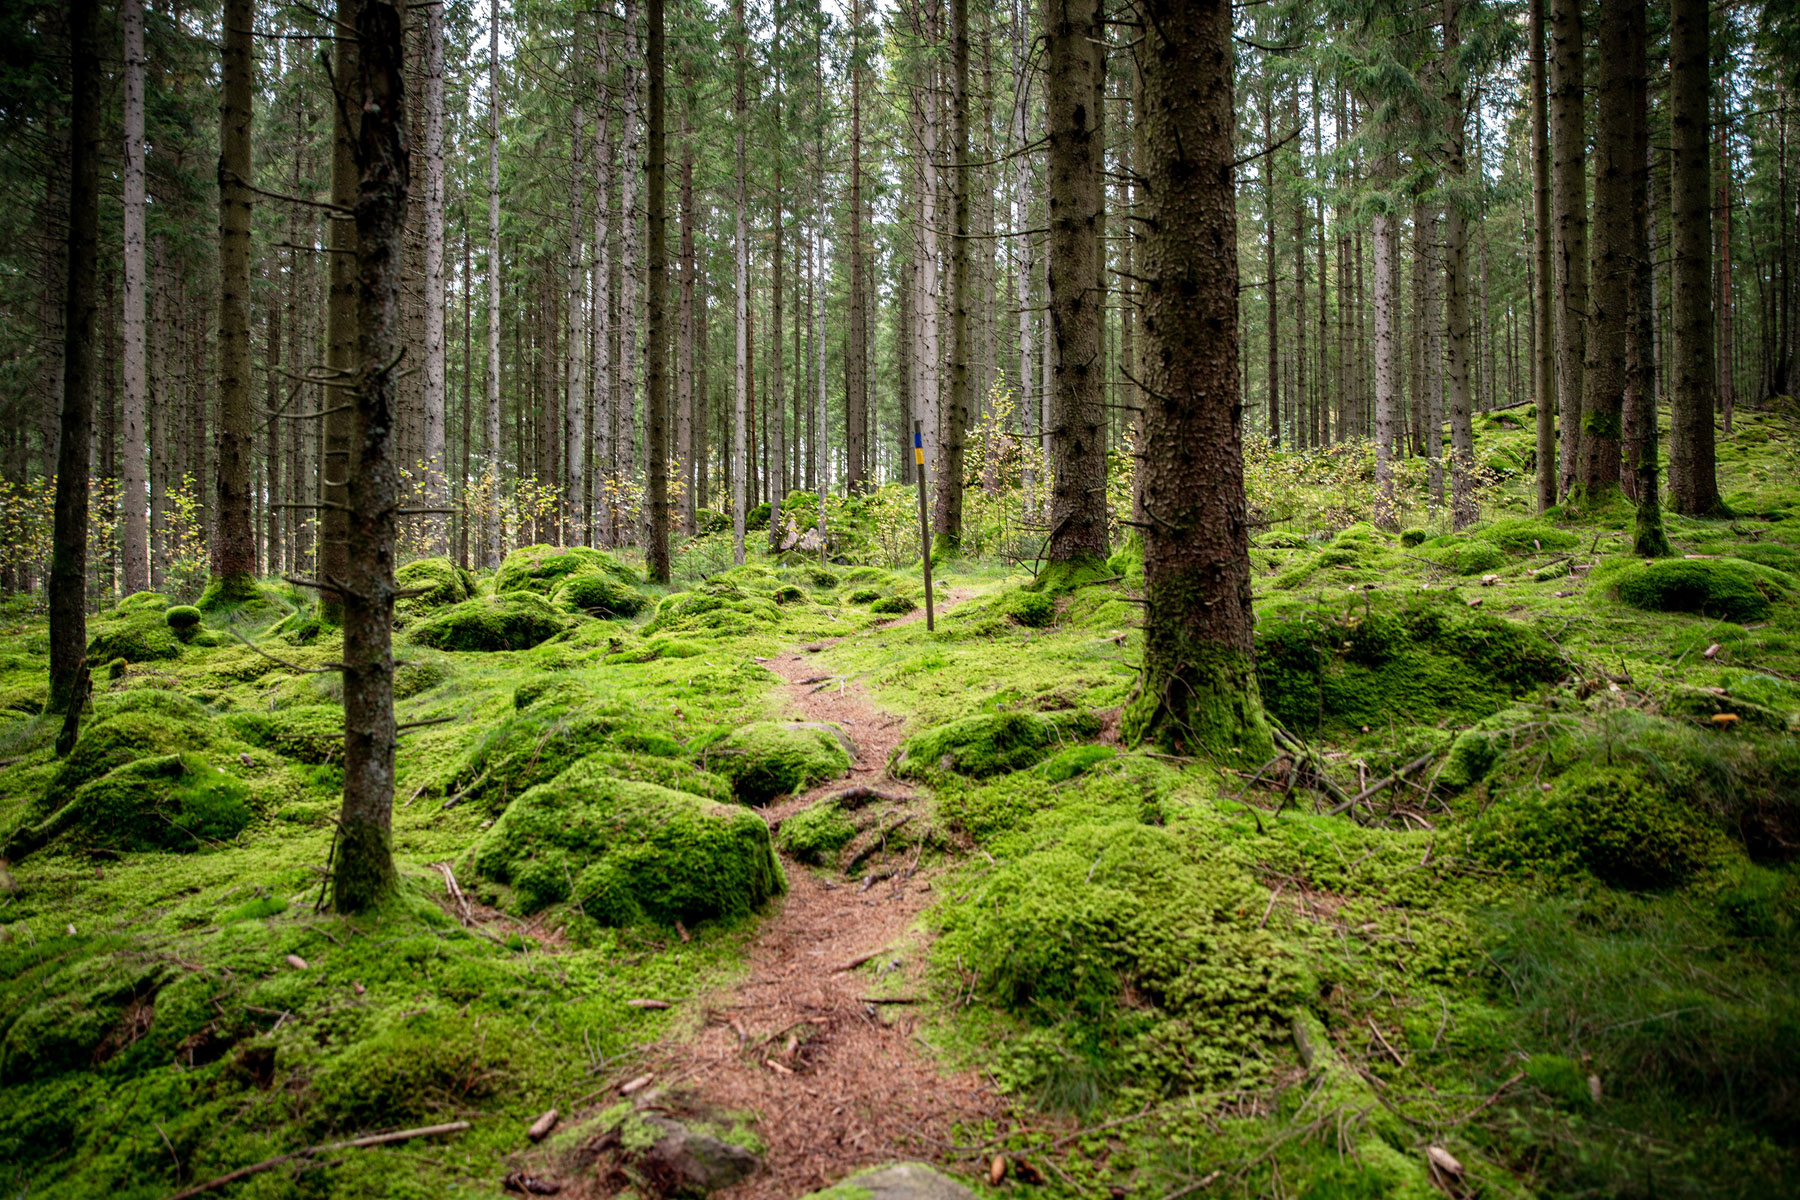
<point x="1034" y="610"/>
<point x="170" y="802"/>
<point x="1526" y="535"/>
<point x="991" y="743"/>
<point x="184" y="620"/>
<point x="143" y="602"/>
<point x="764" y="760"/>
<point x="597" y="595"/>
<point x="1417" y="661"/>
<point x="1610" y="821"/>
<point x="540" y="568"/>
<point x="1464" y="555"/>
<point x="1729" y="589"/>
<point x="159" y="723"/>
<point x="508" y="621"/>
<point x="894" y="605"/>
<point x="676" y="774"/>
<point x="624" y="852"/>
<point x="72" y="1015"/>
<point x="308" y="733"/>
<point x="137" y="635"/>
<point x="815" y="835"/>
<point x="556" y="724"/>
<point x="863" y="596"/>
<point x="444" y="584"/>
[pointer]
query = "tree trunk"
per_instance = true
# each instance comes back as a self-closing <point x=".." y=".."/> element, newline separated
<point x="1722" y="231"/>
<point x="436" y="491"/>
<point x="341" y="321"/>
<point x="491" y="471"/>
<point x="685" y="448"/>
<point x="1020" y="248"/>
<point x="134" y="484"/>
<point x="574" y="500"/>
<point x="740" y="457"/>
<point x="364" y="876"/>
<point x="1078" y="417"/>
<point x="1648" y="537"/>
<point x="778" y="478"/>
<point x="1198" y="691"/>
<point x="81" y="316"/>
<point x="1543" y="365"/>
<point x="1568" y="200"/>
<point x="630" y="261"/>
<point x="234" y="541"/>
<point x="1602" y="404"/>
<point x="1693" y="482"/>
<point x="856" y="363"/>
<point x="1386" y="235"/>
<point x="948" y="514"/>
<point x="656" y="399"/>
<point x="1273" y="321"/>
<point x="1456" y="283"/>
<point x="605" y="408"/>
<point x="1430" y="344"/>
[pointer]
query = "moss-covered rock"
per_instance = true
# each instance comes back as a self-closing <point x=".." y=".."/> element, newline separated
<point x="1429" y="655"/>
<point x="444" y="581"/>
<point x="142" y="602"/>
<point x="508" y="621"/>
<point x="991" y="743"/>
<point x="764" y="760"/>
<point x="309" y="733"/>
<point x="1034" y="610"/>
<point x="1724" y="588"/>
<point x="66" y="1029"/>
<point x="1472" y="755"/>
<point x="184" y="620"/>
<point x="131" y="733"/>
<point x="1611" y="821"/>
<point x="555" y="728"/>
<point x="863" y="596"/>
<point x="1464" y="555"/>
<point x="894" y="605"/>
<point x="598" y="595"/>
<point x="137" y="635"/>
<point x="624" y="851"/>
<point x="664" y="770"/>
<point x="816" y="834"/>
<point x="170" y="802"/>
<point x="539" y="568"/>
<point x="1526" y="535"/>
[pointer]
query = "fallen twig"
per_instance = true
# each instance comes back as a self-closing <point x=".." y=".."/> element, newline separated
<point x="268" y="1164"/>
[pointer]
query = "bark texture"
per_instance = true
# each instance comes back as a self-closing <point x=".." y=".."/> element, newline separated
<point x="133" y="476"/>
<point x="1693" y="479"/>
<point x="656" y="398"/>
<point x="1568" y="202"/>
<point x="233" y="542"/>
<point x="1603" y="400"/>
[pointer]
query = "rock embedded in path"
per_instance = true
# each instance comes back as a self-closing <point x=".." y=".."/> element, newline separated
<point x="901" y="1181"/>
<point x="686" y="1162"/>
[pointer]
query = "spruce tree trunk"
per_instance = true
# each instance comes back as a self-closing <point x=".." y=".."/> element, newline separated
<point x="1602" y="404"/>
<point x="630" y="262"/>
<point x="1430" y="346"/>
<point x="1198" y="691"/>
<point x="491" y="408"/>
<point x="656" y="399"/>
<point x="686" y="449"/>
<point x="604" y="418"/>
<point x="364" y="876"/>
<point x="947" y="515"/>
<point x="1386" y="238"/>
<point x="1568" y="200"/>
<point x="1077" y="416"/>
<point x="778" y="478"/>
<point x="1648" y="537"/>
<point x="856" y="362"/>
<point x="1543" y="366"/>
<point x="740" y="457"/>
<point x="1020" y="248"/>
<point x="81" y="316"/>
<point x="341" y="322"/>
<point x="574" y="500"/>
<point x="1456" y="284"/>
<point x="1273" y="325"/>
<point x="234" y="540"/>
<point x="134" y="482"/>
<point x="1693" y="482"/>
<point x="930" y="398"/>
<point x="433" y="377"/>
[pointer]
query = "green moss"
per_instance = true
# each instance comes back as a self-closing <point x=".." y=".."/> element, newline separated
<point x="1412" y="537"/>
<point x="142" y="602"/>
<point x="787" y="594"/>
<point x="624" y="851"/>
<point x="171" y="802"/>
<point x="816" y="834"/>
<point x="538" y="568"/>
<point x="1726" y="588"/>
<point x="66" y="1029"/>
<point x="1472" y="755"/>
<point x="863" y="596"/>
<point x="764" y="760"/>
<point x="184" y="620"/>
<point x="598" y="595"/>
<point x="1526" y="535"/>
<point x="407" y="1072"/>
<point x="232" y="592"/>
<point x="509" y="621"/>
<point x="1610" y="821"/>
<point x="819" y="577"/>
<point x="664" y="770"/>
<point x="1059" y="577"/>
<point x="1076" y="760"/>
<point x="311" y="733"/>
<point x="991" y="743"/>
<point x="128" y="735"/>
<point x="1464" y="555"/>
<point x="1559" y="1079"/>
<point x="136" y="635"/>
<point x="534" y="745"/>
<point x="894" y="605"/>
<point x="444" y="581"/>
<point x="1034" y="610"/>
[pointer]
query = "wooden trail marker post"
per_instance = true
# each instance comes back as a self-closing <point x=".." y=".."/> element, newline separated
<point x="924" y="519"/>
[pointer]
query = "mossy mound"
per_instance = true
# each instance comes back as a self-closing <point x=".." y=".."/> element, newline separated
<point x="509" y="621"/>
<point x="131" y="733"/>
<point x="1526" y="535"/>
<point x="664" y="770"/>
<point x="309" y="733"/>
<point x="894" y="605"/>
<point x="547" y="735"/>
<point x="715" y="610"/>
<point x="539" y="568"/>
<point x="815" y="835"/>
<point x="142" y="602"/>
<point x="137" y="635"/>
<point x="446" y="582"/>
<point x="764" y="760"/>
<point x="184" y="620"/>
<point x="74" y="1010"/>
<point x="1610" y="821"/>
<point x="1464" y="555"/>
<point x="170" y="802"/>
<point x="1034" y="610"/>
<point x="1122" y="910"/>
<point x="1723" y="588"/>
<point x="863" y="596"/>
<point x="991" y="743"/>
<point x="241" y="591"/>
<point x="598" y="595"/>
<point x="1336" y="670"/>
<point x="623" y="852"/>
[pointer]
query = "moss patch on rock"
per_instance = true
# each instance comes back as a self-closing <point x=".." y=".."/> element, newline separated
<point x="169" y="802"/>
<point x="991" y="743"/>
<point x="509" y="621"/>
<point x="624" y="852"/>
<point x="444" y="581"/>
<point x="539" y="568"/>
<point x="598" y="595"/>
<point x="1730" y="589"/>
<point x="137" y="635"/>
<point x="765" y="759"/>
<point x="816" y="834"/>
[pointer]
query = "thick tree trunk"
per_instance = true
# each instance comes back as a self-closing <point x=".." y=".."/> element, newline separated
<point x="1602" y="404"/>
<point x="856" y="361"/>
<point x="603" y="416"/>
<point x="1727" y="356"/>
<point x="1078" y="417"/>
<point x="234" y="540"/>
<point x="947" y="515"/>
<point x="342" y="320"/>
<point x="492" y="470"/>
<point x="81" y="316"/>
<point x="1648" y="537"/>
<point x="685" y="448"/>
<point x="134" y="483"/>
<point x="1198" y="691"/>
<point x="656" y="399"/>
<point x="1020" y="248"/>
<point x="630" y="261"/>
<point x="1693" y="482"/>
<point x="1568" y="200"/>
<point x="740" y="457"/>
<point x="1456" y="284"/>
<point x="436" y="491"/>
<point x="574" y="500"/>
<point x="1386" y="235"/>
<point x="1543" y="367"/>
<point x="364" y="876"/>
<point x="778" y="477"/>
<point x="1273" y="320"/>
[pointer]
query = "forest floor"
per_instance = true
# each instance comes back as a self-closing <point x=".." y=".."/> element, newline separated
<point x="1515" y="914"/>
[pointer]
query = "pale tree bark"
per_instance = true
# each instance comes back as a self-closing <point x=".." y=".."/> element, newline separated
<point x="928" y="301"/>
<point x="1693" y="481"/>
<point x="491" y="408"/>
<point x="856" y="368"/>
<point x="740" y="457"/>
<point x="1543" y="367"/>
<point x="1198" y="691"/>
<point x="1386" y="239"/>
<point x="1603" y="401"/>
<point x="234" y="541"/>
<point x="364" y="875"/>
<point x="1078" y="417"/>
<point x="81" y="316"/>
<point x="1456" y="281"/>
<point x="656" y="397"/>
<point x="948" y="512"/>
<point x="134" y="483"/>
<point x="575" y="517"/>
<point x="437" y="490"/>
<point x="1568" y="201"/>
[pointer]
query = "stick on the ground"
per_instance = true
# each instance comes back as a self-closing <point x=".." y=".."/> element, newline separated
<point x="269" y="1164"/>
<point x="862" y="793"/>
<point x="1382" y="784"/>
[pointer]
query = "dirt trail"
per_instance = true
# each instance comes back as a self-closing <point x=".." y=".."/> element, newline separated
<point x="839" y="1083"/>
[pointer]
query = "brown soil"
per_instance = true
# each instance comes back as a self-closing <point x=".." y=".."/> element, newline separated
<point x="838" y="1083"/>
